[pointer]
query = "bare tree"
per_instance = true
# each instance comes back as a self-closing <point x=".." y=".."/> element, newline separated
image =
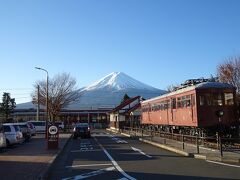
<point x="172" y="87"/>
<point x="229" y="72"/>
<point x="62" y="91"/>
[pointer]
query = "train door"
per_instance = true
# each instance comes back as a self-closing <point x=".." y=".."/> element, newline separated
<point x="172" y="117"/>
<point x="193" y="107"/>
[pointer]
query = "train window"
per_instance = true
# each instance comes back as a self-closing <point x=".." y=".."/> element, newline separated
<point x="174" y="103"/>
<point x="208" y="99"/>
<point x="193" y="99"/>
<point x="168" y="104"/>
<point x="179" y="102"/>
<point x="202" y="100"/>
<point x="228" y="99"/>
<point x="188" y="101"/>
<point x="217" y="99"/>
<point x="165" y="106"/>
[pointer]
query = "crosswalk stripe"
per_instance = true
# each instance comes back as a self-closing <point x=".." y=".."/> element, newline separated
<point x="91" y="174"/>
<point x="88" y="165"/>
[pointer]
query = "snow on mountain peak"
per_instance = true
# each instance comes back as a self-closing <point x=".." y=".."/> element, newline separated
<point x="118" y="81"/>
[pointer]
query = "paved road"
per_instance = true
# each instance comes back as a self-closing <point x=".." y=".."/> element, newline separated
<point x="109" y="156"/>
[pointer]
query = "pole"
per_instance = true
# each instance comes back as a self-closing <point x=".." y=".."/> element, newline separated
<point x="46" y="132"/>
<point x="38" y="103"/>
<point x="197" y="143"/>
<point x="183" y="144"/>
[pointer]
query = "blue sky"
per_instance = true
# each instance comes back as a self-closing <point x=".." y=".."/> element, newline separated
<point x="154" y="41"/>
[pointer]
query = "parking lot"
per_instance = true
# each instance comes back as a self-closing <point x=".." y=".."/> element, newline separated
<point x="28" y="160"/>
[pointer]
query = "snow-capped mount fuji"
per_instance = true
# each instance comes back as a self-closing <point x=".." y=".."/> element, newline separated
<point x="109" y="91"/>
<point x="118" y="81"/>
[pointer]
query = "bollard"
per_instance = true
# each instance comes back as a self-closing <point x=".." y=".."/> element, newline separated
<point x="164" y="141"/>
<point x="197" y="144"/>
<point x="220" y="142"/>
<point x="183" y="145"/>
<point x="151" y="134"/>
<point x="217" y="137"/>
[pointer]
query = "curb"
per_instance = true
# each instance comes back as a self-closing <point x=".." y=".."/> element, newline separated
<point x="223" y="159"/>
<point x="167" y="148"/>
<point x="44" y="174"/>
<point x="198" y="156"/>
<point x="127" y="135"/>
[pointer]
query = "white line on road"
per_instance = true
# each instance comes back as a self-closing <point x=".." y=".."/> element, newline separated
<point x="223" y="164"/>
<point x="123" y="179"/>
<point x="114" y="162"/>
<point x="83" y="150"/>
<point x="140" y="151"/>
<point x="88" y="165"/>
<point x="91" y="174"/>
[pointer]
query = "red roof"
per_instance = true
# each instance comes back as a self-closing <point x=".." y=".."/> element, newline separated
<point x="125" y="103"/>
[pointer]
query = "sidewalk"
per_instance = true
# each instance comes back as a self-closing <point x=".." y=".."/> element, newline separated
<point x="30" y="160"/>
<point x="189" y="149"/>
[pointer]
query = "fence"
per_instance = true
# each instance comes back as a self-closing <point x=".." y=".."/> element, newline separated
<point x="186" y="141"/>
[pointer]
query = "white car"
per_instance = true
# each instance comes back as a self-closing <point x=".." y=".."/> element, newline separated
<point x="13" y="134"/>
<point x="32" y="128"/>
<point x="60" y="125"/>
<point x="3" y="142"/>
<point x="40" y="126"/>
<point x="25" y="129"/>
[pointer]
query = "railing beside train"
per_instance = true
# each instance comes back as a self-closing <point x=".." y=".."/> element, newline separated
<point x="197" y="143"/>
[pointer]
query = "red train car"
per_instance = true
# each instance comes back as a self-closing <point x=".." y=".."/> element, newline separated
<point x="202" y="106"/>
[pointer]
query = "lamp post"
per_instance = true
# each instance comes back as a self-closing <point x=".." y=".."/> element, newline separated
<point x="220" y="114"/>
<point x="46" y="99"/>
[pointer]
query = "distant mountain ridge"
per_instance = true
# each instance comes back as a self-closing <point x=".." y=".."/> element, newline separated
<point x="108" y="92"/>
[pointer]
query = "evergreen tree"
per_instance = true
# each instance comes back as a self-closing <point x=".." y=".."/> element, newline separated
<point x="125" y="97"/>
<point x="7" y="106"/>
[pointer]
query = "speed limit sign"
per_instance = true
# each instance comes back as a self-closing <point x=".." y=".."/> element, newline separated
<point x="53" y="130"/>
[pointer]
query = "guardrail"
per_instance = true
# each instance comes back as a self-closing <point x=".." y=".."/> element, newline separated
<point x="197" y="142"/>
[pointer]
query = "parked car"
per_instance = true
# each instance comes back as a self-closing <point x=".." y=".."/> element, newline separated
<point x="25" y="129"/>
<point x="60" y="125"/>
<point x="13" y="134"/>
<point x="32" y="128"/>
<point x="39" y="125"/>
<point x="81" y="130"/>
<point x="2" y="138"/>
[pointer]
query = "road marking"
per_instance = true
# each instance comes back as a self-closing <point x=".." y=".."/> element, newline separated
<point x="91" y="174"/>
<point x="114" y="162"/>
<point x="118" y="140"/>
<point x="140" y="151"/>
<point x="123" y="179"/>
<point x="223" y="164"/>
<point x="83" y="150"/>
<point x="85" y="146"/>
<point x="88" y="165"/>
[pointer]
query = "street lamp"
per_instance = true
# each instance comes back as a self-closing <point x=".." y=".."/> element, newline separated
<point x="220" y="114"/>
<point x="46" y="99"/>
